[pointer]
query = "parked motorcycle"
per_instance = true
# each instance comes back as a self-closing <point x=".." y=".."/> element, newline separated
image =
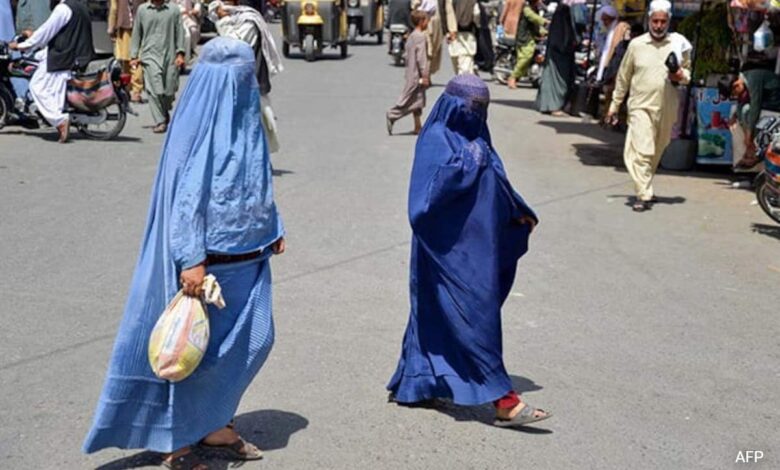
<point x="398" y="33"/>
<point x="103" y="121"/>
<point x="273" y="11"/>
<point x="767" y="182"/>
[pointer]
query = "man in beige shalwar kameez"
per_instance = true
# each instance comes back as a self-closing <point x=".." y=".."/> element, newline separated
<point x="653" y="98"/>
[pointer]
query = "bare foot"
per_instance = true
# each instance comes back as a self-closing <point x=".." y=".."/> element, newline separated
<point x="183" y="459"/>
<point x="227" y="437"/>
<point x="221" y="437"/>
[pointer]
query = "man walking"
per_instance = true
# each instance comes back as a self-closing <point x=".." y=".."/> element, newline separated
<point x="521" y="22"/>
<point x="158" y="46"/>
<point x="67" y="38"/>
<point x="653" y="100"/>
<point x="461" y="18"/>
<point x="121" y="15"/>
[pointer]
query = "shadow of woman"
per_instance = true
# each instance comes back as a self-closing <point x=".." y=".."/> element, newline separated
<point x="486" y="414"/>
<point x="267" y="429"/>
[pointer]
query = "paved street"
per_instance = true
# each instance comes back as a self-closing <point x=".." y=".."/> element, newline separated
<point x="652" y="337"/>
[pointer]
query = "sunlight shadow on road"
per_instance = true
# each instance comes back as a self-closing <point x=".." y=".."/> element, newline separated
<point x="267" y="429"/>
<point x="772" y="231"/>
<point x="660" y="200"/>
<point x="522" y="104"/>
<point x="587" y="129"/>
<point x="279" y="172"/>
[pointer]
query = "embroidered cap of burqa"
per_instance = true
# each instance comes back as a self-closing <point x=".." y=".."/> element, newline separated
<point x="465" y="247"/>
<point x="212" y="194"/>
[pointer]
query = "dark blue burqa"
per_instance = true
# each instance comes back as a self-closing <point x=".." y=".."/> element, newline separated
<point x="465" y="247"/>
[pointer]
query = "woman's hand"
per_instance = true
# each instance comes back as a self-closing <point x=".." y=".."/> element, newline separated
<point x="192" y="280"/>
<point x="279" y="246"/>
<point x="526" y="219"/>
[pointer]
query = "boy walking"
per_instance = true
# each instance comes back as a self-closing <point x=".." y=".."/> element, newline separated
<point x="417" y="75"/>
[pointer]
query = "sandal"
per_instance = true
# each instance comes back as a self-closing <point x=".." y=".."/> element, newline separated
<point x="188" y="461"/>
<point x="639" y="206"/>
<point x="238" y="450"/>
<point x="526" y="416"/>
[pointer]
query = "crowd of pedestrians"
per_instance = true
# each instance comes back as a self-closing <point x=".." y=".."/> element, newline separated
<point x="213" y="210"/>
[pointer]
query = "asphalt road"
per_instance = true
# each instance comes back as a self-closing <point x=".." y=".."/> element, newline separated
<point x="652" y="337"/>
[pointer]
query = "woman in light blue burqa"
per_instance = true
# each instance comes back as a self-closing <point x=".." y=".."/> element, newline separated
<point x="212" y="210"/>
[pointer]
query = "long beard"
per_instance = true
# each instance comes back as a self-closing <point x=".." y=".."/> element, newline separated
<point x="659" y="35"/>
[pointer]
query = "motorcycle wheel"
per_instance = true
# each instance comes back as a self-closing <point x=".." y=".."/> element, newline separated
<point x="286" y="49"/>
<point x="352" y="33"/>
<point x="3" y="112"/>
<point x="344" y="50"/>
<point x="308" y="48"/>
<point x="503" y="62"/>
<point x="6" y="103"/>
<point x="768" y="200"/>
<point x="110" y="128"/>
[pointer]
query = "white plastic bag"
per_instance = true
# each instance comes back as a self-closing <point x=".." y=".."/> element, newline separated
<point x="737" y="142"/>
<point x="763" y="38"/>
<point x="180" y="336"/>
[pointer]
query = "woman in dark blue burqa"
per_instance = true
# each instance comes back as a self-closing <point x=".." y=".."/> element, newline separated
<point x="469" y="230"/>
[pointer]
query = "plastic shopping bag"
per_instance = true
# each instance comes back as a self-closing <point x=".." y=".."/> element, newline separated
<point x="737" y="141"/>
<point x="181" y="334"/>
<point x="763" y="38"/>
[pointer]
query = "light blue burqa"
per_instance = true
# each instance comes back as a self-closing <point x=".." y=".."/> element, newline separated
<point x="7" y="33"/>
<point x="212" y="194"/>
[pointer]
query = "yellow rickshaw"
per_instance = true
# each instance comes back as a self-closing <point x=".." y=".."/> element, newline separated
<point x="312" y="25"/>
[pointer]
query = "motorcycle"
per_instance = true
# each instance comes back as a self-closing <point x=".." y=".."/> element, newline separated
<point x="398" y="33"/>
<point x="767" y="182"/>
<point x="102" y="122"/>
<point x="506" y="59"/>
<point x="273" y="11"/>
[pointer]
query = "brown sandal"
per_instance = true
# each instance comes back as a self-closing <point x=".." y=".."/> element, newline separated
<point x="238" y="450"/>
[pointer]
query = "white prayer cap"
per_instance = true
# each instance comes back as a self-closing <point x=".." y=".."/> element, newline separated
<point x="608" y="10"/>
<point x="657" y="6"/>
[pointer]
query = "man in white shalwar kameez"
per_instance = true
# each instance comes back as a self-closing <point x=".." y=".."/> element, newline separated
<point x="48" y="88"/>
<point x="608" y="17"/>
<point x="653" y="98"/>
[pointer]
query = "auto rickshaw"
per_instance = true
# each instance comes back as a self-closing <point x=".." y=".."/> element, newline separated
<point x="311" y="25"/>
<point x="365" y="17"/>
